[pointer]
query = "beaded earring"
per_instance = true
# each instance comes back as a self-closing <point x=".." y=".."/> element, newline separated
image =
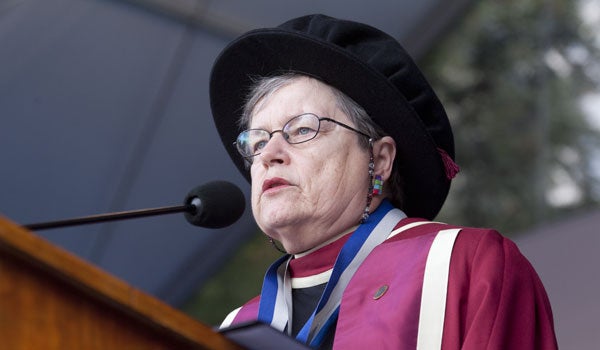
<point x="366" y="212"/>
<point x="377" y="185"/>
<point x="272" y="241"/>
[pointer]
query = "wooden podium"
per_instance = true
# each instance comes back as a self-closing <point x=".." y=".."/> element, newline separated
<point x="51" y="299"/>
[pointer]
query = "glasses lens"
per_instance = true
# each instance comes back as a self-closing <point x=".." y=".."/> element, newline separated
<point x="250" y="142"/>
<point x="301" y="128"/>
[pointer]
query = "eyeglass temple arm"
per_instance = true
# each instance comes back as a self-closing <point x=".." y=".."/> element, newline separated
<point x="345" y="126"/>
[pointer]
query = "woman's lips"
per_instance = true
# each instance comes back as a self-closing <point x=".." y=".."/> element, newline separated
<point x="273" y="183"/>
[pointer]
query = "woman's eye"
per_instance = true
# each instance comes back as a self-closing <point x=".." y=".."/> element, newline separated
<point x="303" y="131"/>
<point x="259" y="145"/>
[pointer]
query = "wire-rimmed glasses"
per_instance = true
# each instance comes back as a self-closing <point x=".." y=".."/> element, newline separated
<point x="299" y="129"/>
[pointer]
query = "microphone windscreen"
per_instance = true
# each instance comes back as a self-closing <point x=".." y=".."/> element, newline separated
<point x="218" y="204"/>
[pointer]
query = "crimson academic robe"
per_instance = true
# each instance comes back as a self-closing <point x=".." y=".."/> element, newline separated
<point x="494" y="300"/>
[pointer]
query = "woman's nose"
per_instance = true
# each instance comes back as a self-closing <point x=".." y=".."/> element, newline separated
<point x="275" y="151"/>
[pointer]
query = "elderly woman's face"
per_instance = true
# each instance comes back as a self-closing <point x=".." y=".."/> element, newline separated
<point x="305" y="194"/>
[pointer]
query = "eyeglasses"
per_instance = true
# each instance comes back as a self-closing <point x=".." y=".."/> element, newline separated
<point x="299" y="129"/>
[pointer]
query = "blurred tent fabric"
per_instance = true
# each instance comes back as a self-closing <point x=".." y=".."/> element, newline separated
<point x="104" y="107"/>
<point x="565" y="255"/>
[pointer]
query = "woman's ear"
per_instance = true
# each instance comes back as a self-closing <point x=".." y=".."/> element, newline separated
<point x="384" y="152"/>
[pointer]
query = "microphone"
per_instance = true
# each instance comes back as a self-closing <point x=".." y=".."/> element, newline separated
<point x="215" y="204"/>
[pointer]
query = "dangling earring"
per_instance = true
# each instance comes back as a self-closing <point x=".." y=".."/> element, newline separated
<point x="366" y="213"/>
<point x="272" y="241"/>
<point x="377" y="185"/>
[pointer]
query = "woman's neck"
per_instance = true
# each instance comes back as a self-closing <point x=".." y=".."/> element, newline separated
<point x="318" y="259"/>
<point x="327" y="242"/>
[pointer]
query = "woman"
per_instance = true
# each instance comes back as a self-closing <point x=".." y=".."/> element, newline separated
<point x="350" y="154"/>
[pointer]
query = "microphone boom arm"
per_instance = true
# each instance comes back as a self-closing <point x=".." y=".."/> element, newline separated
<point x="216" y="204"/>
<point x="123" y="215"/>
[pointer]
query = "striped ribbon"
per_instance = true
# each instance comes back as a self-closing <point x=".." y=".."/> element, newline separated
<point x="275" y="306"/>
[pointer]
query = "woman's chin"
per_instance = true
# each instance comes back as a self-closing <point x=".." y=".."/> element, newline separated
<point x="275" y="218"/>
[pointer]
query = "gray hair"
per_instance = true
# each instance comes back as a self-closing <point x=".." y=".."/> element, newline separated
<point x="263" y="87"/>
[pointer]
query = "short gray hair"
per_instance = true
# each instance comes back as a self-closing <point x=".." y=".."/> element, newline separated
<point x="263" y="87"/>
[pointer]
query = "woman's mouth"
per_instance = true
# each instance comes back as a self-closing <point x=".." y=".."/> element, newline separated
<point x="274" y="183"/>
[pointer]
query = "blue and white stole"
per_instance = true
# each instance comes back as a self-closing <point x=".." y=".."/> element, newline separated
<point x="275" y="306"/>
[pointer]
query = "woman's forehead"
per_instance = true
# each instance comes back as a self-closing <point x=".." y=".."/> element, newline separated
<point x="302" y="95"/>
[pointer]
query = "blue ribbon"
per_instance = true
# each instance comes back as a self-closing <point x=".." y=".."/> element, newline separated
<point x="273" y="294"/>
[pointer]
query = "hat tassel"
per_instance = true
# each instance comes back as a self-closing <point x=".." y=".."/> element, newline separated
<point x="450" y="166"/>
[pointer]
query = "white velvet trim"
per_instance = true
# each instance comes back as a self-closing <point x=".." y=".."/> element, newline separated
<point x="409" y="226"/>
<point x="230" y="317"/>
<point x="435" y="288"/>
<point x="311" y="281"/>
